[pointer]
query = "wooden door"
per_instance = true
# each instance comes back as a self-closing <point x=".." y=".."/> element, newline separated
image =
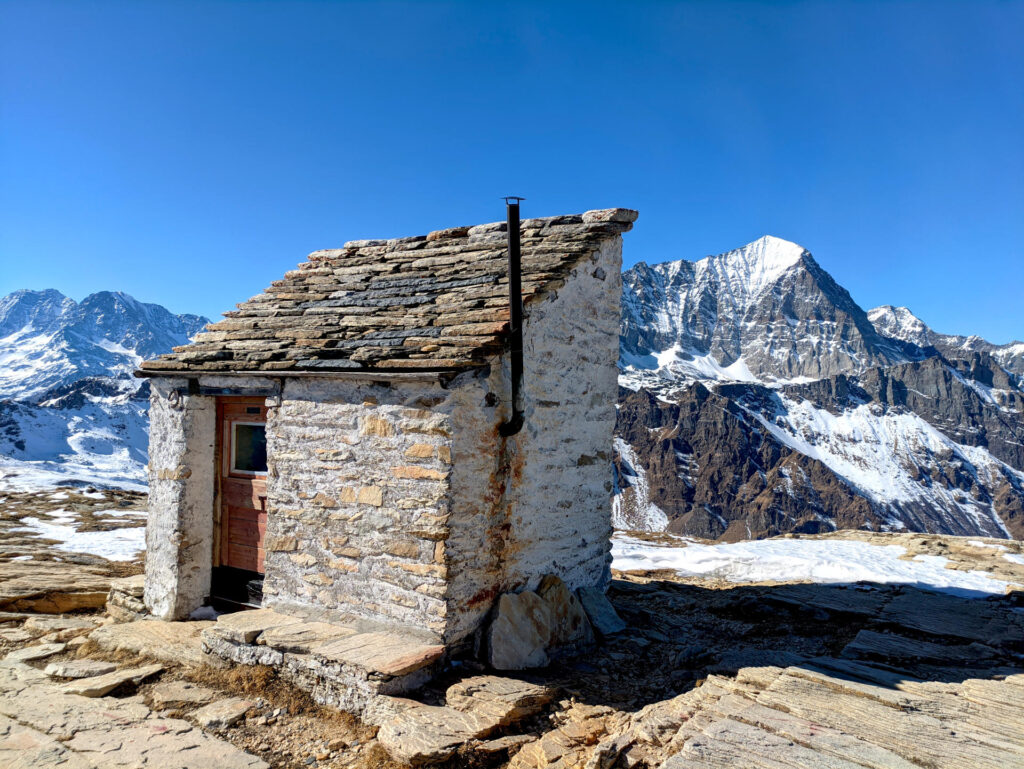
<point x="243" y="482"/>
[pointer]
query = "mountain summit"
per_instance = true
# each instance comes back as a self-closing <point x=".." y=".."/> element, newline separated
<point x="47" y="339"/>
<point x="766" y="311"/>
<point x="765" y="400"/>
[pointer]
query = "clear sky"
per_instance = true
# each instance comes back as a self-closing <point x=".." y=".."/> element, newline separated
<point x="190" y="152"/>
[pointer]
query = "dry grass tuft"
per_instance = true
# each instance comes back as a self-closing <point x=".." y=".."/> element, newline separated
<point x="263" y="681"/>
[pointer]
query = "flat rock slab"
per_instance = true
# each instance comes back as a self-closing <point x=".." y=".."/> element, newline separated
<point x="22" y="747"/>
<point x="888" y="646"/>
<point x="79" y="669"/>
<point x="38" y="652"/>
<point x="301" y="637"/>
<point x="501" y="700"/>
<point x="161" y="743"/>
<point x="428" y="734"/>
<point x="134" y="586"/>
<point x="943" y="615"/>
<point x="13" y="616"/>
<point x="389" y="654"/>
<point x="503" y="744"/>
<point x="51" y="587"/>
<point x="223" y="713"/>
<point x="862" y="601"/>
<point x="16" y="635"/>
<point x="109" y="733"/>
<point x="175" y="642"/>
<point x="176" y="694"/>
<point x="97" y="686"/>
<point x="49" y="624"/>
<point x="244" y="627"/>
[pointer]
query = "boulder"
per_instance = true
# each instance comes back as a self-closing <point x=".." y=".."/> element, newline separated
<point x="521" y="632"/>
<point x="529" y="627"/>
<point x="569" y="623"/>
<point x="600" y="611"/>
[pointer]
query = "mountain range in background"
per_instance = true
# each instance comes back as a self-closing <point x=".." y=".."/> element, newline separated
<point x="756" y="398"/>
<point x="70" y="409"/>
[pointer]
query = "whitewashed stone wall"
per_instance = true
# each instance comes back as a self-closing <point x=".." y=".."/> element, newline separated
<point x="560" y="520"/>
<point x="179" y="531"/>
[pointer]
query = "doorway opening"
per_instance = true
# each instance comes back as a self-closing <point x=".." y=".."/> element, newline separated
<point x="241" y="523"/>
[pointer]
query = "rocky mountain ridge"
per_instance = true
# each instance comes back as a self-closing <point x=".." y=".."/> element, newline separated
<point x="759" y="399"/>
<point x="69" y="405"/>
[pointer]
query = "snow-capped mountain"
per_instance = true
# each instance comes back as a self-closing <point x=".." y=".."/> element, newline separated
<point x="759" y="398"/>
<point x="69" y="406"/>
<point x="764" y="312"/>
<point x="900" y="323"/>
<point x="47" y="339"/>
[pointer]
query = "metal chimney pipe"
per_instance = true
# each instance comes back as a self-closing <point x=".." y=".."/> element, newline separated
<point x="515" y="324"/>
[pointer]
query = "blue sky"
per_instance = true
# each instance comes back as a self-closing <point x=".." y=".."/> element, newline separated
<point x="190" y="153"/>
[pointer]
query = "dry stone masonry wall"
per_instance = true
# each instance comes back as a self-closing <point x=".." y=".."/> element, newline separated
<point x="357" y="489"/>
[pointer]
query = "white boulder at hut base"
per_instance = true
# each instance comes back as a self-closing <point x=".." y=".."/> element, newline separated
<point x="338" y="442"/>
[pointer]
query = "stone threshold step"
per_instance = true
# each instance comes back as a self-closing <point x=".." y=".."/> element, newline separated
<point x="379" y="652"/>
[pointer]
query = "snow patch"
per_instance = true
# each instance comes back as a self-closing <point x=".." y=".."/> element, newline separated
<point x="636" y="512"/>
<point x="114" y="545"/>
<point x="816" y="560"/>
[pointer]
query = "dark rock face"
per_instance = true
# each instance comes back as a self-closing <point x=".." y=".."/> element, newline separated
<point x="898" y="427"/>
<point x="718" y="475"/>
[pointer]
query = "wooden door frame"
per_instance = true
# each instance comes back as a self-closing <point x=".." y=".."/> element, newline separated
<point x="222" y="458"/>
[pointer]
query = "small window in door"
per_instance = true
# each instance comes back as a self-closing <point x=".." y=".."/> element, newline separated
<point x="249" y="448"/>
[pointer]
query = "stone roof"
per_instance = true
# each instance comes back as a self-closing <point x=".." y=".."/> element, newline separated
<point x="437" y="301"/>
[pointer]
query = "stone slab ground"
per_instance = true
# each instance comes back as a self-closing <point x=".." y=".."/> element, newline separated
<point x="43" y="725"/>
<point x="703" y="675"/>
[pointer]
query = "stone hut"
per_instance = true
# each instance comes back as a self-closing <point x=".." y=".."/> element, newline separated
<point x="339" y="444"/>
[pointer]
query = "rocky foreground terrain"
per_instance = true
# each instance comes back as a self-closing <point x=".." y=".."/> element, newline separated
<point x="706" y="673"/>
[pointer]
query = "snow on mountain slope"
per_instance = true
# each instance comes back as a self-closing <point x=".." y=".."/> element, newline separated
<point x="47" y="339"/>
<point x="894" y="459"/>
<point x="70" y="409"/>
<point x="901" y="323"/>
<point x="822" y="415"/>
<point x="631" y="499"/>
<point x="764" y="312"/>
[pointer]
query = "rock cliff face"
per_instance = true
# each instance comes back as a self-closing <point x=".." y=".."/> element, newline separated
<point x="759" y="399"/>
